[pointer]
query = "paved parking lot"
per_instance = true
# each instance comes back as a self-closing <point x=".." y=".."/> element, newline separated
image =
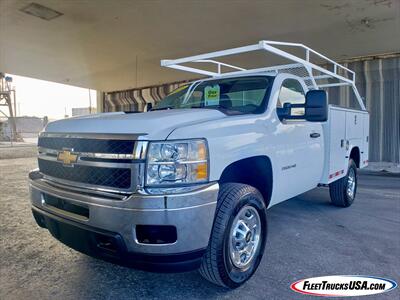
<point x="307" y="238"/>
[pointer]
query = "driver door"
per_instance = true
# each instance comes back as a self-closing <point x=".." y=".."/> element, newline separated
<point x="300" y="150"/>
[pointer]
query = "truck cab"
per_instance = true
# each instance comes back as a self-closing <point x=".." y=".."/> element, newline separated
<point x="187" y="184"/>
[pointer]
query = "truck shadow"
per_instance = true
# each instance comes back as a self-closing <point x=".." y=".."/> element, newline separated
<point x="105" y="280"/>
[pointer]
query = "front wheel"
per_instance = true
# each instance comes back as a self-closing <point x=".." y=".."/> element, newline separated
<point x="343" y="191"/>
<point x="238" y="236"/>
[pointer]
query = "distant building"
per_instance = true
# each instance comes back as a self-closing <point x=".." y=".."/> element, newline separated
<point x="80" y="111"/>
<point x="27" y="127"/>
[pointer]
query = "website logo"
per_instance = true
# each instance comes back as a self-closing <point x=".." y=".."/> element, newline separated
<point x="343" y="286"/>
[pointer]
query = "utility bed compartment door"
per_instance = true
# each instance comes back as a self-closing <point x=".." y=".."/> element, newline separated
<point x="357" y="132"/>
<point x="344" y="130"/>
<point x="337" y="143"/>
<point x="354" y="125"/>
<point x="365" y="150"/>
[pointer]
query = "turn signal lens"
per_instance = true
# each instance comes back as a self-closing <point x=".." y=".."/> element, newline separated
<point x="201" y="171"/>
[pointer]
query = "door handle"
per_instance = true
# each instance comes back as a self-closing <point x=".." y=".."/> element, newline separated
<point x="314" y="135"/>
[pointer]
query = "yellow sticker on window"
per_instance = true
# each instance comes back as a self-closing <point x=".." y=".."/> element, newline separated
<point x="211" y="95"/>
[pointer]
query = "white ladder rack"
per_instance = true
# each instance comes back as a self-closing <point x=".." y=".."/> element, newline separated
<point x="313" y="74"/>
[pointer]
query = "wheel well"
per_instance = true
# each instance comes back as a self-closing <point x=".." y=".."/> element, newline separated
<point x="355" y="155"/>
<point x="255" y="171"/>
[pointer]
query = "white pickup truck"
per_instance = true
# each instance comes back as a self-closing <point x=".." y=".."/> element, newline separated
<point x="187" y="184"/>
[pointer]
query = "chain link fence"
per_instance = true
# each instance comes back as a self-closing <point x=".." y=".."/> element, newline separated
<point x="21" y="143"/>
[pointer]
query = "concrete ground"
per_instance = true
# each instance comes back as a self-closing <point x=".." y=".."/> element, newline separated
<point x="307" y="238"/>
<point x="18" y="150"/>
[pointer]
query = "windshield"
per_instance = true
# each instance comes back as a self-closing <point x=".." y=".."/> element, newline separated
<point x="232" y="95"/>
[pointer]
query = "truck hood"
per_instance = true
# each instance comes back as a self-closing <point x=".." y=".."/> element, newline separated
<point x="153" y="125"/>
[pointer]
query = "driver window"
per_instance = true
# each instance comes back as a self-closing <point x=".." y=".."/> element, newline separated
<point x="292" y="92"/>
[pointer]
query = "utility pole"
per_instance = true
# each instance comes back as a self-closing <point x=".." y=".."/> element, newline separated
<point x="15" y="101"/>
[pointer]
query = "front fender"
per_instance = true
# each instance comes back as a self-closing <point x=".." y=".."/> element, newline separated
<point x="229" y="140"/>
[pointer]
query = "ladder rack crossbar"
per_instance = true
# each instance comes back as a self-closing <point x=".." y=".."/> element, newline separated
<point x="347" y="76"/>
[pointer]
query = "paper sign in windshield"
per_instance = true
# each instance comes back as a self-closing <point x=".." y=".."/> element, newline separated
<point x="211" y="95"/>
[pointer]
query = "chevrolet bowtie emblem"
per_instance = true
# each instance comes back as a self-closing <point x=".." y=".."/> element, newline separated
<point x="67" y="157"/>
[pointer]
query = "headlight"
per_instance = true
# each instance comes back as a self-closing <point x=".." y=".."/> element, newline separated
<point x="177" y="162"/>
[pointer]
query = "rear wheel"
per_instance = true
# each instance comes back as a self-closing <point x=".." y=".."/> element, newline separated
<point x="238" y="236"/>
<point x="343" y="191"/>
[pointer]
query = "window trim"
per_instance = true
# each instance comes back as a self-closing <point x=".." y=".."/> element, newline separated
<point x="283" y="82"/>
<point x="277" y="100"/>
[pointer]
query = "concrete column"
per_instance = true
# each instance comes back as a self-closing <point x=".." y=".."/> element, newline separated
<point x="100" y="101"/>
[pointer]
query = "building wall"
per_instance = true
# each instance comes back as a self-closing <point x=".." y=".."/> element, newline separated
<point x="27" y="127"/>
<point x="81" y="111"/>
<point x="377" y="79"/>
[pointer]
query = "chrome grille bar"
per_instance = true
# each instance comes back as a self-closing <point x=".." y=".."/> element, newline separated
<point x="139" y="153"/>
<point x="99" y="136"/>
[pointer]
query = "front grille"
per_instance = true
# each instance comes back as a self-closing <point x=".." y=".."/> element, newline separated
<point x="87" y="145"/>
<point x="108" y="177"/>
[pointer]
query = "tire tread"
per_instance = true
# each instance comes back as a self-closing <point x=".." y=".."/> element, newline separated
<point x="337" y="189"/>
<point x="210" y="267"/>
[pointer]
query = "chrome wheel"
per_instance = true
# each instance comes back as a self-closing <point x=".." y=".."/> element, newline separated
<point x="245" y="237"/>
<point x="351" y="183"/>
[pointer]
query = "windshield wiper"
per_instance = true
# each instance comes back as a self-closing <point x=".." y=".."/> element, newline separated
<point x="162" y="108"/>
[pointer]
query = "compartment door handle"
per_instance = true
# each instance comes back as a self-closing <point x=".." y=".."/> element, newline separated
<point x="314" y="135"/>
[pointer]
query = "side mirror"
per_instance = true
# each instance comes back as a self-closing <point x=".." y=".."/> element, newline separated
<point x="149" y="106"/>
<point x="285" y="111"/>
<point x="316" y="107"/>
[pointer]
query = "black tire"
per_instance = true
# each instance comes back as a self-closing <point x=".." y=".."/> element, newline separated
<point x="338" y="189"/>
<point x="217" y="266"/>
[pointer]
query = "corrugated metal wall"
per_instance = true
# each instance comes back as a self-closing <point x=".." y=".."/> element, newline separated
<point x="378" y="81"/>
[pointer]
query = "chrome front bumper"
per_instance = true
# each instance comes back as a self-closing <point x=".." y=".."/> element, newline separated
<point x="191" y="213"/>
